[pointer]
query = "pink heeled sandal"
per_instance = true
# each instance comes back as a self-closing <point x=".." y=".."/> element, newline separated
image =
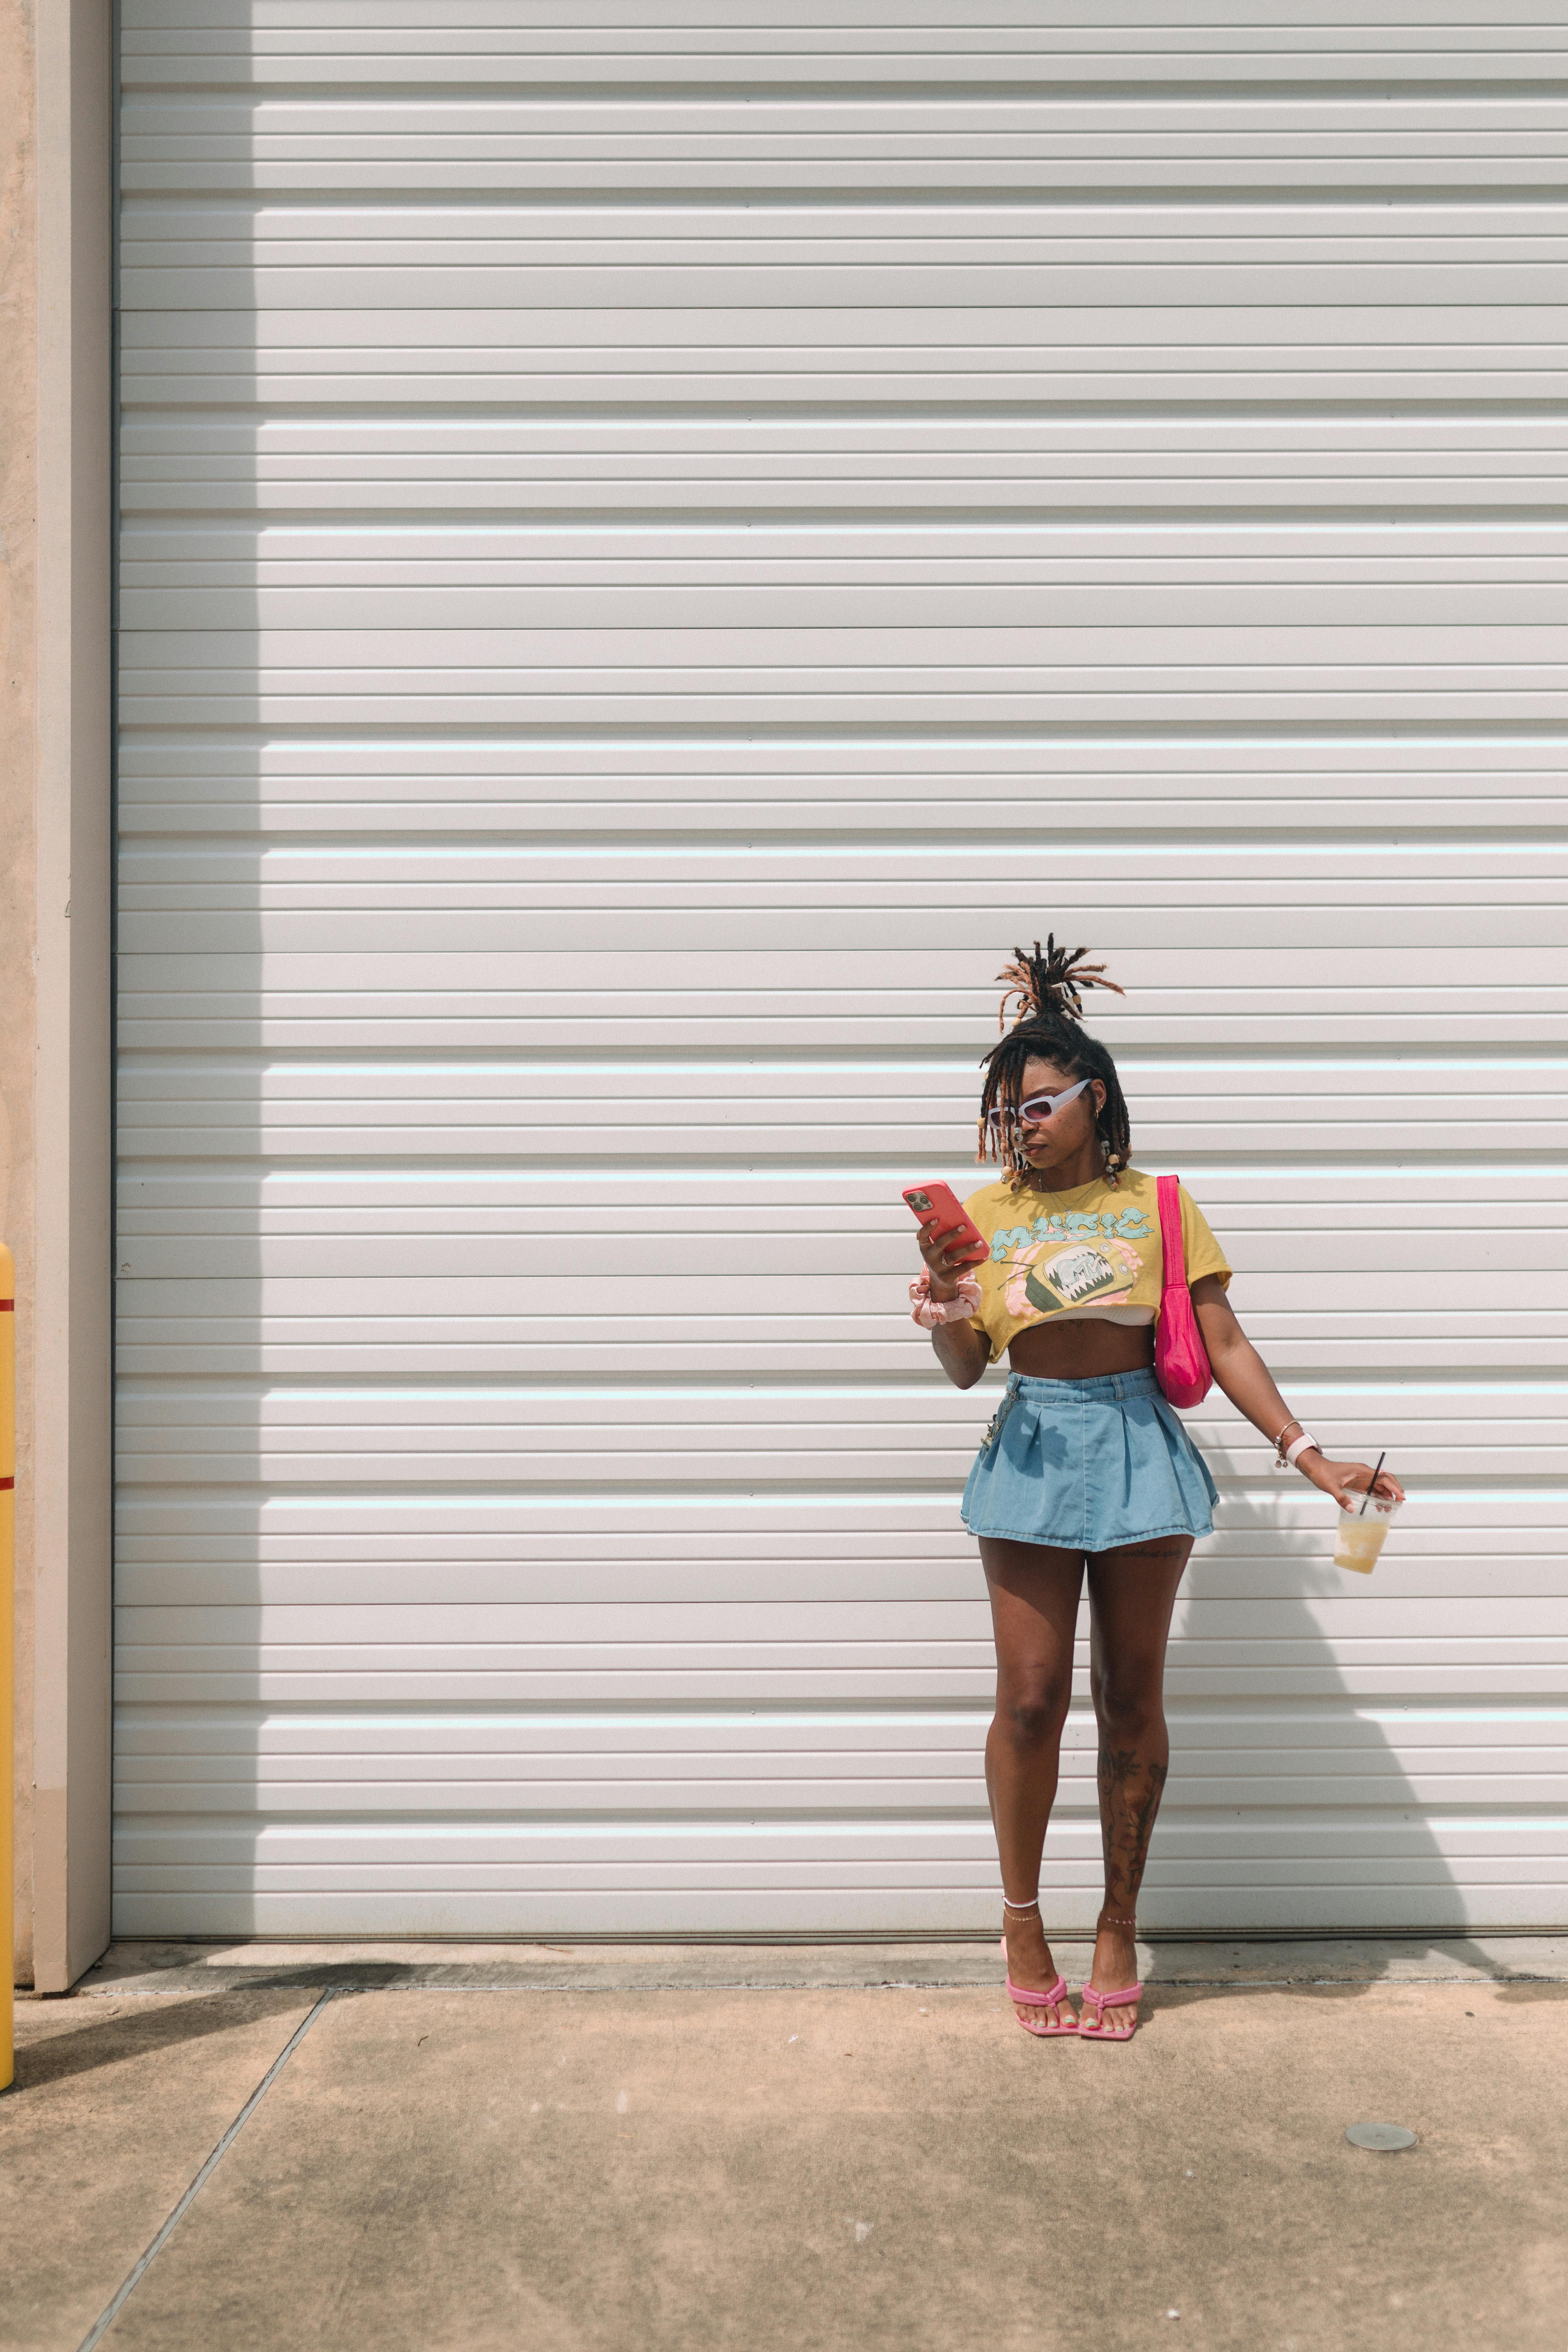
<point x="1101" y="2001"/>
<point x="1027" y="1999"/>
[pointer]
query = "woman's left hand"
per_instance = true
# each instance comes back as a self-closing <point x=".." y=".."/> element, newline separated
<point x="1345" y="1480"/>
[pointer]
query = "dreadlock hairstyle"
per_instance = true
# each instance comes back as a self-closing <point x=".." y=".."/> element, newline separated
<point x="1049" y="990"/>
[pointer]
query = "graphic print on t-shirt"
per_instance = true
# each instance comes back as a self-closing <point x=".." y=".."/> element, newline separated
<point x="1048" y="1277"/>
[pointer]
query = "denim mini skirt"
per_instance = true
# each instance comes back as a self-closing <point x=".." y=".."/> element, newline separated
<point x="1087" y="1464"/>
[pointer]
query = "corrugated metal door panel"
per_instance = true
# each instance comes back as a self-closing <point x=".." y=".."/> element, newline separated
<point x="882" y="44"/>
<point x="1162" y="787"/>
<point x="643" y="571"/>
<point x="515" y="136"/>
<point x="517" y="142"/>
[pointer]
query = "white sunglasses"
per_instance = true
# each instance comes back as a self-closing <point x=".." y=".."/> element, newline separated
<point x="1036" y="1109"/>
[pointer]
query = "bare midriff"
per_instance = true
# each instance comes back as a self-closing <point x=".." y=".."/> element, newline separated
<point x="1081" y="1350"/>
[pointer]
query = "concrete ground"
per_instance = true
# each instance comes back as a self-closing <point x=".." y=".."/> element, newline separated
<point x="842" y="2146"/>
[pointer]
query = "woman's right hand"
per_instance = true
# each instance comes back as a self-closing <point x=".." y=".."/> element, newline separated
<point x="946" y="1259"/>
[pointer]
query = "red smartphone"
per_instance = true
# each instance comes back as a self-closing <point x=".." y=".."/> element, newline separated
<point x="937" y="1208"/>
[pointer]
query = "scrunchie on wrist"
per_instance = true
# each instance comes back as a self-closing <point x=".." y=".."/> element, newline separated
<point x="929" y="1311"/>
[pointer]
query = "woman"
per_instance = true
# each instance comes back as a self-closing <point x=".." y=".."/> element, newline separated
<point x="1085" y="1462"/>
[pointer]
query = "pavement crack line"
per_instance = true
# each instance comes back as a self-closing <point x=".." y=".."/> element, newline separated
<point x="138" y="2268"/>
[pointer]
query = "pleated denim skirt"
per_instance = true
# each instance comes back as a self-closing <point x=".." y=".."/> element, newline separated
<point x="1087" y="1464"/>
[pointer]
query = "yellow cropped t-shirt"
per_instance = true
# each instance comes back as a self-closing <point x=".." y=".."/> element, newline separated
<point x="1093" y="1252"/>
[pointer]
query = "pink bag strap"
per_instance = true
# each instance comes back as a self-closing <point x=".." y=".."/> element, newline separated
<point x="1167" y="1192"/>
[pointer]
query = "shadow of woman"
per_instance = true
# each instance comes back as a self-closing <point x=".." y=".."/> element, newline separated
<point x="1307" y="1757"/>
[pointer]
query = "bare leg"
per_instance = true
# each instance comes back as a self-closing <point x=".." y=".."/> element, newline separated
<point x="1132" y="1593"/>
<point x="1034" y="1609"/>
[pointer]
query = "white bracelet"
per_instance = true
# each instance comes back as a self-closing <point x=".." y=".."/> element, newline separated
<point x="1300" y="1446"/>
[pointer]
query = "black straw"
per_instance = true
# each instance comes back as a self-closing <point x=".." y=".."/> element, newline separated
<point x="1367" y="1497"/>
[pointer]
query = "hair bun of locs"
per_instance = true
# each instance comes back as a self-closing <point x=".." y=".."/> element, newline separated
<point x="1050" y="983"/>
<point x="1049" y="988"/>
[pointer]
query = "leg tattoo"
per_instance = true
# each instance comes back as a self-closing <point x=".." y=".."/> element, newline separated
<point x="1143" y="1821"/>
<point x="1129" y="1792"/>
<point x="1133" y="1593"/>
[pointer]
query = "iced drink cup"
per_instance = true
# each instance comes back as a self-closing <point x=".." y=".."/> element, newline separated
<point x="1361" y="1534"/>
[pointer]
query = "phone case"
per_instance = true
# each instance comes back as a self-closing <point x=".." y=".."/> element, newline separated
<point x="929" y="1210"/>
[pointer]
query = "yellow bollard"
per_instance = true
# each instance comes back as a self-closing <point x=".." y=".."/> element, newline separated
<point x="7" y="1652"/>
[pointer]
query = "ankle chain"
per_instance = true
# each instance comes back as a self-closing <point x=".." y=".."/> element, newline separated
<point x="1033" y="1904"/>
<point x="1106" y="1922"/>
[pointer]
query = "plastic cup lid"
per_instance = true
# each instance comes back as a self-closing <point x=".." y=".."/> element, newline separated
<point x="1380" y="2135"/>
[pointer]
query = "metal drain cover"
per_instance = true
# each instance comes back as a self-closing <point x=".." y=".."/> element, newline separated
<point x="1380" y="2135"/>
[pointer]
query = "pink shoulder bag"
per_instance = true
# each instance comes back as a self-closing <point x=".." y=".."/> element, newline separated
<point x="1181" y="1361"/>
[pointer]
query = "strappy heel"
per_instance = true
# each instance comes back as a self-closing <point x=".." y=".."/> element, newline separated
<point x="1051" y="1998"/>
<point x="1101" y="2001"/>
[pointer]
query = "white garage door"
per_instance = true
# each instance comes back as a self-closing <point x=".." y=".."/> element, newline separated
<point x="659" y="542"/>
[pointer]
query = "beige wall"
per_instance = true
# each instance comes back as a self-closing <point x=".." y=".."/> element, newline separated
<point x="55" y="64"/>
<point x="18" y="358"/>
